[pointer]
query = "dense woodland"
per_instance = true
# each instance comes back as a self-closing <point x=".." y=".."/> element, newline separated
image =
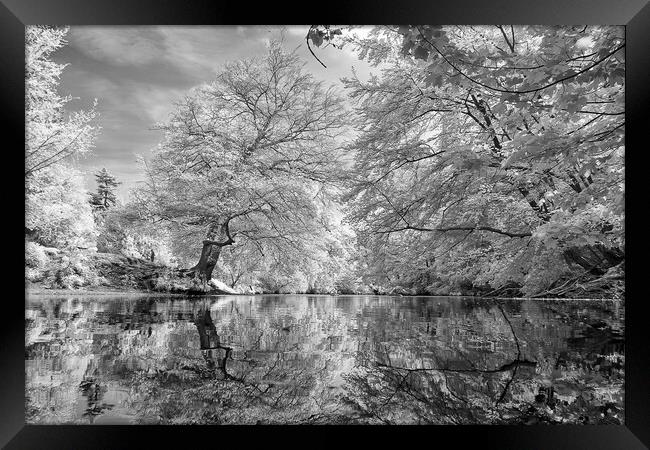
<point x="475" y="160"/>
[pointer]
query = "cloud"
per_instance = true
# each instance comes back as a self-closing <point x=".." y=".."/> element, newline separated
<point x="118" y="45"/>
<point x="164" y="53"/>
<point x="156" y="103"/>
<point x="297" y="30"/>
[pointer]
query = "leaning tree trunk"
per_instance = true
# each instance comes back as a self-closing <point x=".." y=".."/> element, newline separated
<point x="207" y="262"/>
<point x="210" y="252"/>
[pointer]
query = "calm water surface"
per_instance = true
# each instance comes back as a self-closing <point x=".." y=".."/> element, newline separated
<point x="322" y="359"/>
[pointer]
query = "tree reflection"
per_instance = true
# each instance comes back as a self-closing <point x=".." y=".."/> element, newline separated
<point x="94" y="394"/>
<point x="581" y="387"/>
<point x="323" y="360"/>
<point x="232" y="387"/>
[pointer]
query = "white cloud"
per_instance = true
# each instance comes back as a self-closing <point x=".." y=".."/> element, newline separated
<point x="118" y="45"/>
<point x="192" y="47"/>
<point x="189" y="49"/>
<point x="155" y="102"/>
<point x="297" y="30"/>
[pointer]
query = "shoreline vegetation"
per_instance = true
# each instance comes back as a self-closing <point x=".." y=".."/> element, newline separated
<point x="121" y="275"/>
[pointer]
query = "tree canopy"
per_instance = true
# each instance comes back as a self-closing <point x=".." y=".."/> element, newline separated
<point x="57" y="213"/>
<point x="490" y="145"/>
<point x="249" y="157"/>
<point x="52" y="135"/>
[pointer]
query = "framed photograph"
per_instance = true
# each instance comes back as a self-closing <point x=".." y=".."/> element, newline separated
<point x="408" y="224"/>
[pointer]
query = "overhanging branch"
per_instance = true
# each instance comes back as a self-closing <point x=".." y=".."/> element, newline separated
<point x="465" y="228"/>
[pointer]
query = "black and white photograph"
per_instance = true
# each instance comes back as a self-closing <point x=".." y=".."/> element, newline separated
<point x="325" y="225"/>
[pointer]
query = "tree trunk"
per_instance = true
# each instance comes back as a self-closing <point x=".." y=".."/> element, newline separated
<point x="207" y="262"/>
<point x="211" y="251"/>
<point x="210" y="343"/>
<point x="208" y="335"/>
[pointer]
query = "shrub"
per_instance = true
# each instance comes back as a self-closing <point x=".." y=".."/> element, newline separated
<point x="57" y="210"/>
<point x="35" y="256"/>
<point x="70" y="269"/>
<point x="33" y="275"/>
<point x="71" y="281"/>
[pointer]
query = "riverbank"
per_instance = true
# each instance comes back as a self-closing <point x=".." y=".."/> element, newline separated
<point x="102" y="274"/>
<point x="41" y="291"/>
<point x="99" y="291"/>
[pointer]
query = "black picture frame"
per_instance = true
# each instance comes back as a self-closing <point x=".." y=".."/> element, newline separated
<point x="634" y="14"/>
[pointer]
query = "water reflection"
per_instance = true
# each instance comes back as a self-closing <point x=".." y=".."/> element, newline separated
<point x="317" y="359"/>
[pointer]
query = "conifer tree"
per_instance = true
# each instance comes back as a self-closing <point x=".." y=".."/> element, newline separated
<point x="105" y="197"/>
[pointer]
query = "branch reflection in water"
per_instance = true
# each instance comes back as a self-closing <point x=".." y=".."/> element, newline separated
<point x="322" y="359"/>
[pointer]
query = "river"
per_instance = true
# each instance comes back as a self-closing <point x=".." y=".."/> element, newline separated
<point x="294" y="359"/>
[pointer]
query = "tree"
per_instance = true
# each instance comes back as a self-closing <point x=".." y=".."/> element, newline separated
<point x="57" y="213"/>
<point x="121" y="231"/>
<point x="105" y="197"/>
<point x="466" y="123"/>
<point x="248" y="156"/>
<point x="51" y="134"/>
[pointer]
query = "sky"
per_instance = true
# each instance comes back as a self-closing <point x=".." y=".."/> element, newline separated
<point x="136" y="74"/>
